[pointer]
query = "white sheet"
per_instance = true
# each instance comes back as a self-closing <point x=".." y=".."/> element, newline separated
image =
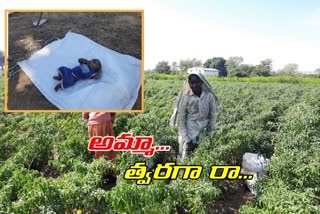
<point x="116" y="90"/>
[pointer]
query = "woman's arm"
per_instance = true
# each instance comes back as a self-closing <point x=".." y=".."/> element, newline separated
<point x="212" y="114"/>
<point x="182" y="116"/>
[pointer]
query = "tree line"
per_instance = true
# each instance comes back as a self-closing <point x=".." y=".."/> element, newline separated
<point x="232" y="67"/>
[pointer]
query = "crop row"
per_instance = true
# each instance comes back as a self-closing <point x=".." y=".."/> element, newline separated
<point x="279" y="79"/>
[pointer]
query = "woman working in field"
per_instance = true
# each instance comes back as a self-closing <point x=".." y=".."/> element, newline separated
<point x="101" y="124"/>
<point x="195" y="113"/>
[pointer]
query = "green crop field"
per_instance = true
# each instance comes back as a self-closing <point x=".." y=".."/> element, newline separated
<point x="45" y="166"/>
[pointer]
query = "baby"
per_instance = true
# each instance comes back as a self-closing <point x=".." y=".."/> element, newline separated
<point x="88" y="69"/>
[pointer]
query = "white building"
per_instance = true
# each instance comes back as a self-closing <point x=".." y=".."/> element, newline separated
<point x="207" y="72"/>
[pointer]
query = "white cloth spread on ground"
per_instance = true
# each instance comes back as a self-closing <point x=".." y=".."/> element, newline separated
<point x="116" y="90"/>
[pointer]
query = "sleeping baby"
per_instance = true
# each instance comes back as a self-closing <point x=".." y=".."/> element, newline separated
<point x="88" y="69"/>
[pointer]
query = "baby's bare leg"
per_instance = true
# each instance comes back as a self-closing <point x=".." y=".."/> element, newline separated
<point x="58" y="86"/>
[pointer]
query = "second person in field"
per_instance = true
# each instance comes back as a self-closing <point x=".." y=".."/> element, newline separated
<point x="195" y="113"/>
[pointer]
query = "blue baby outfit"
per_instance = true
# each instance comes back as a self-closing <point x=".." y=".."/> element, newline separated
<point x="71" y="76"/>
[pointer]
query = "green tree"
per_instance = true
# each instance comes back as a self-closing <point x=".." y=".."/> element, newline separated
<point x="243" y="70"/>
<point x="184" y="65"/>
<point x="174" y="68"/>
<point x="163" y="67"/>
<point x="233" y="62"/>
<point x="317" y="71"/>
<point x="263" y="69"/>
<point x="289" y="69"/>
<point x="267" y="63"/>
<point x="217" y="63"/>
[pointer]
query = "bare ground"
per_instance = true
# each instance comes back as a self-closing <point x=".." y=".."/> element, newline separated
<point x="119" y="31"/>
<point x="235" y="195"/>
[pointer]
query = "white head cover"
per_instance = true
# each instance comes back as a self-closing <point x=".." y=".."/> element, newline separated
<point x="185" y="89"/>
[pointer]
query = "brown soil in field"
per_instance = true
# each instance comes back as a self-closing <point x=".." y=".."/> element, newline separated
<point x="235" y="195"/>
<point x="118" y="31"/>
<point x="50" y="172"/>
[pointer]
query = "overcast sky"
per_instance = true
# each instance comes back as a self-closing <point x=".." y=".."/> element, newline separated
<point x="284" y="31"/>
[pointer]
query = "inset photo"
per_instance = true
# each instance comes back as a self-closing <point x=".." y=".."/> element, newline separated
<point x="74" y="61"/>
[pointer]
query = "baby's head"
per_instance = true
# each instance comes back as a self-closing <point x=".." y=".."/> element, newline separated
<point x="95" y="65"/>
